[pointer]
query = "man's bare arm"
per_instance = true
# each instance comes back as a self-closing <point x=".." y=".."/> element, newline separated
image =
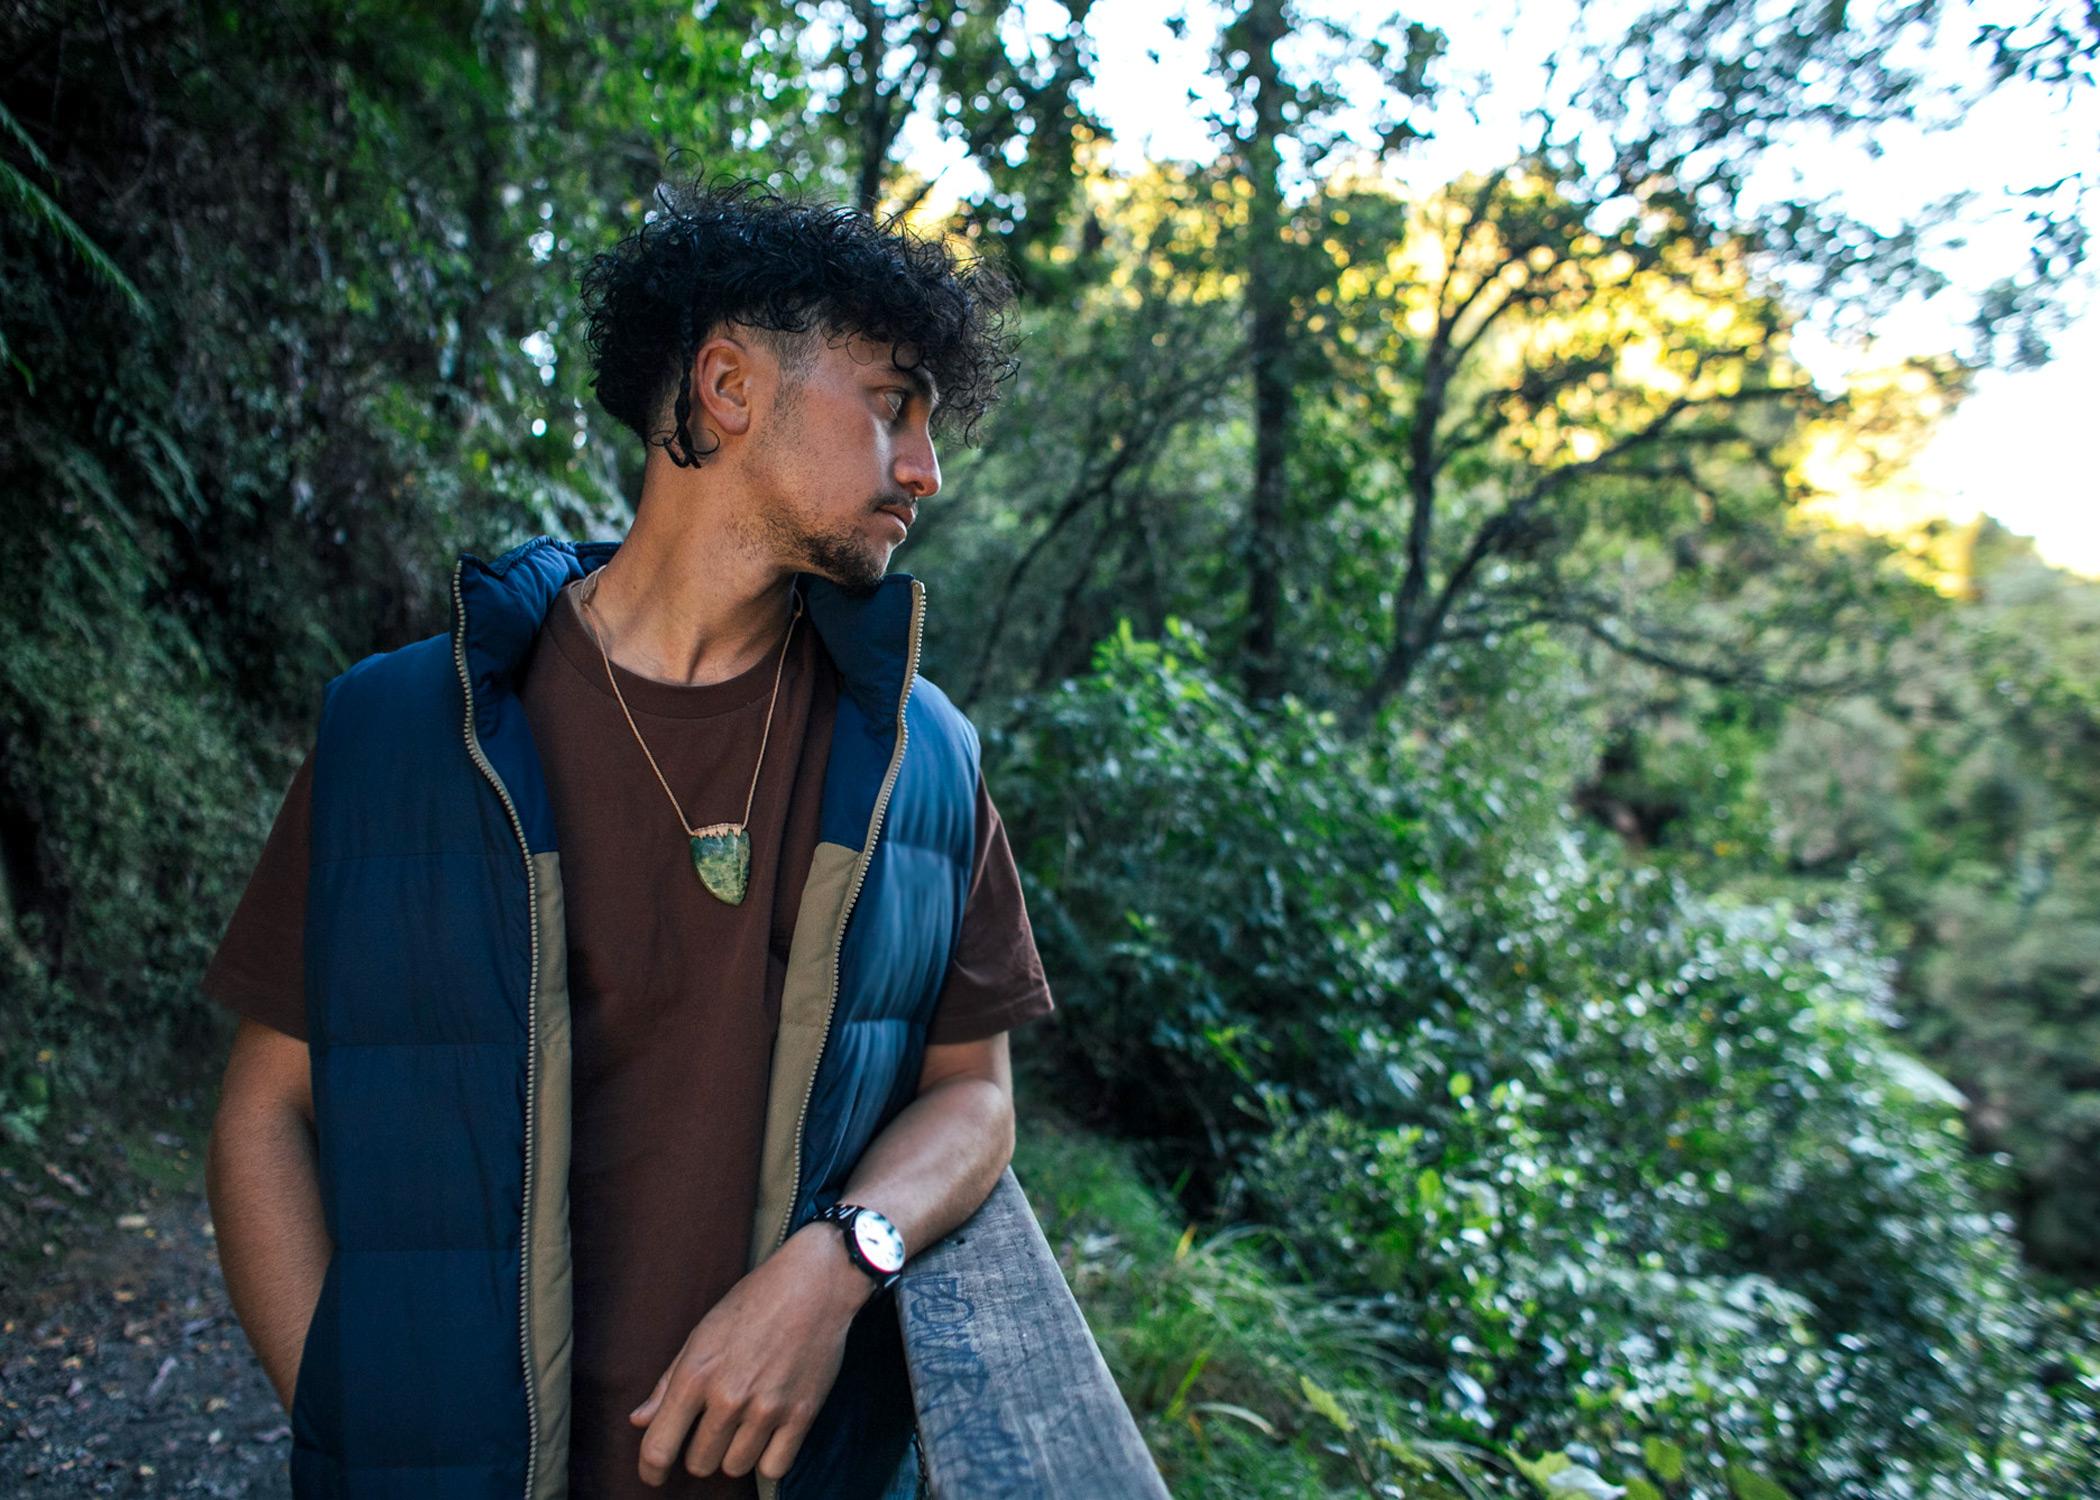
<point x="261" y="1177"/>
<point x="932" y="1166"/>
<point x="935" y="1164"/>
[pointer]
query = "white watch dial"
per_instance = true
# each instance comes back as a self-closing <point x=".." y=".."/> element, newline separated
<point x="879" y="1241"/>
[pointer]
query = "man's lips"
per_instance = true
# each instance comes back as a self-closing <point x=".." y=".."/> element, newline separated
<point x="905" y="513"/>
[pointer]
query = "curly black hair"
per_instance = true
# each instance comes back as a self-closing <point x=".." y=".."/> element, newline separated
<point x="735" y="251"/>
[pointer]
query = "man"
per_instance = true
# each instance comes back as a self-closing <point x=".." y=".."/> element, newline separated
<point x="629" y="968"/>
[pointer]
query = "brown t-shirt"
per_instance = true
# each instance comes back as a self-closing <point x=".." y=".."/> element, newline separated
<point x="674" y="995"/>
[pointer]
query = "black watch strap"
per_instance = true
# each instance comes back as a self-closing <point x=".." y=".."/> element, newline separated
<point x="844" y="1214"/>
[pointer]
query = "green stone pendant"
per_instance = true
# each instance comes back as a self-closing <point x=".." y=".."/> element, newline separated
<point x="722" y="860"/>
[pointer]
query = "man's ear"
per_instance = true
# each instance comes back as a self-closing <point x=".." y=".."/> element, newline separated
<point x="725" y="383"/>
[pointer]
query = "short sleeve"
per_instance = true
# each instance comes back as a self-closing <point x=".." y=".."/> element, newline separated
<point x="259" y="969"/>
<point x="995" y="980"/>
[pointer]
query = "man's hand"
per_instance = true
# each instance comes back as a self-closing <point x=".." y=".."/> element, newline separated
<point x="757" y="1368"/>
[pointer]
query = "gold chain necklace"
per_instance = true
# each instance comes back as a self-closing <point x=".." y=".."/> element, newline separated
<point x="721" y="851"/>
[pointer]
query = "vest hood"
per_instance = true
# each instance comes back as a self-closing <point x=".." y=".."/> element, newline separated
<point x="866" y="632"/>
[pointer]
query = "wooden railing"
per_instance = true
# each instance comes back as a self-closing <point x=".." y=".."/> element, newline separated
<point x="1013" y="1397"/>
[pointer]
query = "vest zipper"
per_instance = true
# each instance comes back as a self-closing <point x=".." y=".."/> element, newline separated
<point x="532" y="1021"/>
<point x="860" y="872"/>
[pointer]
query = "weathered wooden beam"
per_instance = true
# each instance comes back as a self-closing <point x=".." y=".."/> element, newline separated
<point x="1012" y="1394"/>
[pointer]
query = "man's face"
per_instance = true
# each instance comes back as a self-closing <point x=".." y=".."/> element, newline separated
<point x="837" y="453"/>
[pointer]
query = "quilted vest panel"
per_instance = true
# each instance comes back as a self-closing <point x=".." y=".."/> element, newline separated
<point x="417" y="971"/>
<point x="901" y="932"/>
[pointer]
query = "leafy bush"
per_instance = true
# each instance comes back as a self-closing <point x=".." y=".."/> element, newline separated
<point x="1196" y="881"/>
<point x="1633" y="1177"/>
<point x="134" y="783"/>
<point x="1244" y="1381"/>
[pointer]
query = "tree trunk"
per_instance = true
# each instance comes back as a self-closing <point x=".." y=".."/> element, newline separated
<point x="1268" y="333"/>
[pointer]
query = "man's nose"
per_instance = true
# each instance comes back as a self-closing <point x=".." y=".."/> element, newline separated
<point x="918" y="469"/>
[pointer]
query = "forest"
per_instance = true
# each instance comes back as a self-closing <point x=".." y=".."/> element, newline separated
<point x="1577" y="963"/>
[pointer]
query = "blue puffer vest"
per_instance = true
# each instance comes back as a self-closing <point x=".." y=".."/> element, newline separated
<point x="437" y="1362"/>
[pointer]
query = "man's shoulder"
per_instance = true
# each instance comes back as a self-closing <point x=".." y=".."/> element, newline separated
<point x="389" y="685"/>
<point x="922" y="684"/>
<point x="932" y="702"/>
<point x="432" y="654"/>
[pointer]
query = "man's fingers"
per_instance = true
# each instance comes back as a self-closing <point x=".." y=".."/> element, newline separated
<point x="718" y="1424"/>
<point x="681" y="1400"/>
<point x="763" y="1425"/>
<point x="786" y="1443"/>
<point x="647" y="1409"/>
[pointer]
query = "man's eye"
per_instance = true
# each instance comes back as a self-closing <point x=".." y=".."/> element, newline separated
<point x="903" y="400"/>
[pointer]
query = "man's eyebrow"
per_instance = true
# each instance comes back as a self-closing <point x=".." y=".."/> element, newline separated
<point x="922" y="381"/>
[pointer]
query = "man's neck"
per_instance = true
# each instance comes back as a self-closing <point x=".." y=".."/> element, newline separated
<point x="688" y="599"/>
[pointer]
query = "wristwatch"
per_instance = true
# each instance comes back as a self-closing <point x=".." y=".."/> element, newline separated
<point x="872" y="1242"/>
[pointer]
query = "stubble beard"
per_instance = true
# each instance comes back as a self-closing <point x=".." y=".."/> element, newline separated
<point x="843" y="553"/>
<point x="847" y="561"/>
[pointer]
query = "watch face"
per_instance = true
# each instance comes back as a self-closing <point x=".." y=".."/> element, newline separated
<point x="879" y="1241"/>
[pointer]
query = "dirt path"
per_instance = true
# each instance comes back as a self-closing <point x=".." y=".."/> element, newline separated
<point x="122" y="1368"/>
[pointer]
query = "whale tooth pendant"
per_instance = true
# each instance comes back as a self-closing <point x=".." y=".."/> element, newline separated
<point x="722" y="860"/>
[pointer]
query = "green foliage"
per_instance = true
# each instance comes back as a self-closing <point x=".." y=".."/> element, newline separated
<point x="1244" y="1382"/>
<point x="147" y="810"/>
<point x="1631" y="1175"/>
<point x="25" y="1100"/>
<point x="1251" y="978"/>
<point x="282" y="343"/>
<point x="1955" y="800"/>
<point x="1964" y="801"/>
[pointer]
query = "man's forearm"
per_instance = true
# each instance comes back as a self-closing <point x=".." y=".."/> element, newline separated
<point x="930" y="1169"/>
<point x="934" y="1164"/>
<point x="264" y="1188"/>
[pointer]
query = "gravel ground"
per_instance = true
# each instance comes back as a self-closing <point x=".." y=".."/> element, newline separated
<point x="122" y="1368"/>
